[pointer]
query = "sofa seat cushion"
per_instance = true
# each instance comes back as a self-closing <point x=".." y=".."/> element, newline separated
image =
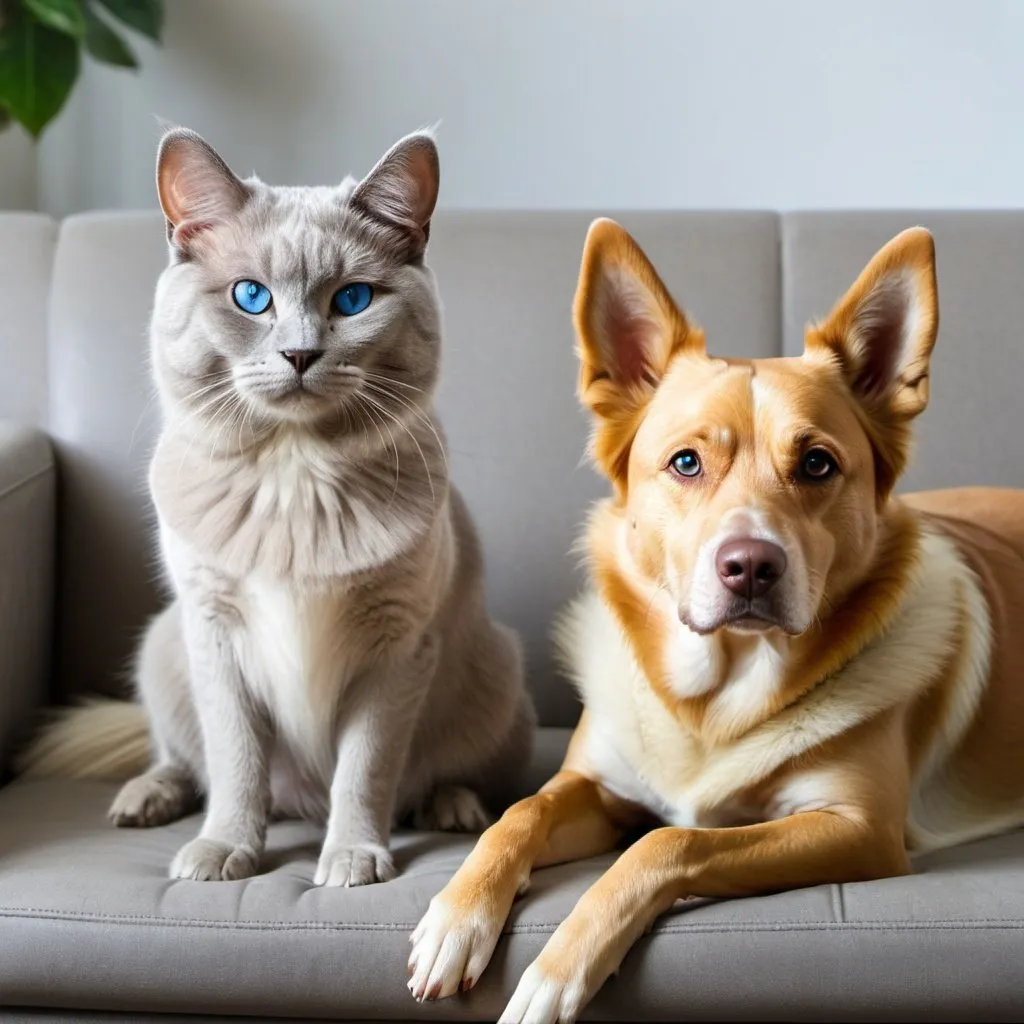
<point x="89" y="919"/>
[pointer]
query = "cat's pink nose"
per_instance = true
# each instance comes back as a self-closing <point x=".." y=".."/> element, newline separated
<point x="302" y="358"/>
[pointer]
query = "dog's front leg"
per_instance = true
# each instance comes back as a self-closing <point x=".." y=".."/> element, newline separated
<point x="236" y="740"/>
<point x="674" y="863"/>
<point x="376" y="728"/>
<point x="570" y="818"/>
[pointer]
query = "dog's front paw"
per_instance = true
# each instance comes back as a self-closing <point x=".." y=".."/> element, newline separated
<point x="359" y="864"/>
<point x="543" y="997"/>
<point x="207" y="860"/>
<point x="450" y="950"/>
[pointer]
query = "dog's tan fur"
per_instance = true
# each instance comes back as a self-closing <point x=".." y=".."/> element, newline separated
<point x="877" y="711"/>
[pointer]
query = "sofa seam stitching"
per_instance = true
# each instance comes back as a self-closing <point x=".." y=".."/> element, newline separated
<point x="24" y="481"/>
<point x="33" y="913"/>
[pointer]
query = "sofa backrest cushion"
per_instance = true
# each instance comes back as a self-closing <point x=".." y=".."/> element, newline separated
<point x="507" y="402"/>
<point x="971" y="432"/>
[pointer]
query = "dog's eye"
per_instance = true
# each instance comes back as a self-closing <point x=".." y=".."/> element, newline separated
<point x="817" y="465"/>
<point x="686" y="463"/>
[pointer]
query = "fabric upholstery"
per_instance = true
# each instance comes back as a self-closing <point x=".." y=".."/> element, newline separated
<point x="971" y="431"/>
<point x="89" y="919"/>
<point x="27" y="242"/>
<point x="27" y="538"/>
<point x="507" y="402"/>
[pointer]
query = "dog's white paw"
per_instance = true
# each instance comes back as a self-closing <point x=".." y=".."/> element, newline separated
<point x="360" y="864"/>
<point x="542" y="998"/>
<point x="207" y="860"/>
<point x="450" y="950"/>
<point x="452" y="809"/>
<point x="152" y="799"/>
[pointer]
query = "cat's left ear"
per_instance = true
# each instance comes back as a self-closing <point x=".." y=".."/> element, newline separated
<point x="197" y="189"/>
<point x="402" y="189"/>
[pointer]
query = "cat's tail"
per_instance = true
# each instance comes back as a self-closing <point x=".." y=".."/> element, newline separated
<point x="100" y="739"/>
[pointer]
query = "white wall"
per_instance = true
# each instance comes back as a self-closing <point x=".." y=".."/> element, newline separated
<point x="577" y="103"/>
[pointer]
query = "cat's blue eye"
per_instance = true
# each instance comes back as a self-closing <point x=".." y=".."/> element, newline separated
<point x="353" y="298"/>
<point x="252" y="296"/>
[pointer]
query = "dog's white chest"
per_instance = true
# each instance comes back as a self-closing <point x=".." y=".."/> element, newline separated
<point x="653" y="764"/>
<point x="639" y="749"/>
<point x="634" y="743"/>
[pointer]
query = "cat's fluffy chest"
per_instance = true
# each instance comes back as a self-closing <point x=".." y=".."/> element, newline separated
<point x="296" y="505"/>
<point x="299" y="650"/>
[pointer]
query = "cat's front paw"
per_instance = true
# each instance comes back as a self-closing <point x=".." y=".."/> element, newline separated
<point x="154" y="798"/>
<point x="452" y="809"/>
<point x="207" y="860"/>
<point x="357" y="864"/>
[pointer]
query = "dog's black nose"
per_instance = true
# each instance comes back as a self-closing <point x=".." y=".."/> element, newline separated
<point x="302" y="358"/>
<point x="749" y="567"/>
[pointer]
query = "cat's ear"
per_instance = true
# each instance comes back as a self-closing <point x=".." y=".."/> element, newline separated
<point x="196" y="188"/>
<point x="402" y="189"/>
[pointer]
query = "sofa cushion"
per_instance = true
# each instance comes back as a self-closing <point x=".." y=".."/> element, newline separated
<point x="970" y="432"/>
<point x="28" y="486"/>
<point x="88" y="918"/>
<point x="507" y="402"/>
<point x="27" y="242"/>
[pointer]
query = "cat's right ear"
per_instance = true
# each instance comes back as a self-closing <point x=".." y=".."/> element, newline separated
<point x="402" y="189"/>
<point x="196" y="188"/>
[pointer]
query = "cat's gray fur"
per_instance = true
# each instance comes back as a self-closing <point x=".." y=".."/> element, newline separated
<point x="328" y="653"/>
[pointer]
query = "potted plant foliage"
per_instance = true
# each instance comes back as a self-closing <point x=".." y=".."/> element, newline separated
<point x="41" y="45"/>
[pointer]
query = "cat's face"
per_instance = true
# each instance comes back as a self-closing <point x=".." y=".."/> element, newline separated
<point x="307" y="305"/>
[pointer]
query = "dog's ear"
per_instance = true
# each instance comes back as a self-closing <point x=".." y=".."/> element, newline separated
<point x="627" y="323"/>
<point x="883" y="330"/>
<point x="881" y="335"/>
<point x="629" y="329"/>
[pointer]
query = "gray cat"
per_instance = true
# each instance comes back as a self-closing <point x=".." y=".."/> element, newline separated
<point x="328" y="654"/>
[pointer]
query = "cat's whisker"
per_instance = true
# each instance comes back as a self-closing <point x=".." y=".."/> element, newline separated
<point x="364" y="403"/>
<point x="390" y="380"/>
<point x="138" y="422"/>
<point x="223" y="378"/>
<point x="418" y="413"/>
<point x="216" y="403"/>
<point x="202" y="411"/>
<point x="230" y="413"/>
<point x="397" y="420"/>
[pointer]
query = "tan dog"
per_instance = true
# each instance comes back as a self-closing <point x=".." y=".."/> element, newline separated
<point x="804" y="678"/>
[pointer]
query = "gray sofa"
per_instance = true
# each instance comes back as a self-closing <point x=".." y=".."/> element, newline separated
<point x="88" y="918"/>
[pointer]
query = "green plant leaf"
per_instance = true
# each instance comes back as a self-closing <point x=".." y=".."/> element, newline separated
<point x="105" y="44"/>
<point x="5" y="118"/>
<point x="38" y="67"/>
<point x="145" y="16"/>
<point x="62" y="15"/>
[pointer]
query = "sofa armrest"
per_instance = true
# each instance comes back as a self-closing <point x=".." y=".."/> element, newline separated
<point x="27" y="560"/>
